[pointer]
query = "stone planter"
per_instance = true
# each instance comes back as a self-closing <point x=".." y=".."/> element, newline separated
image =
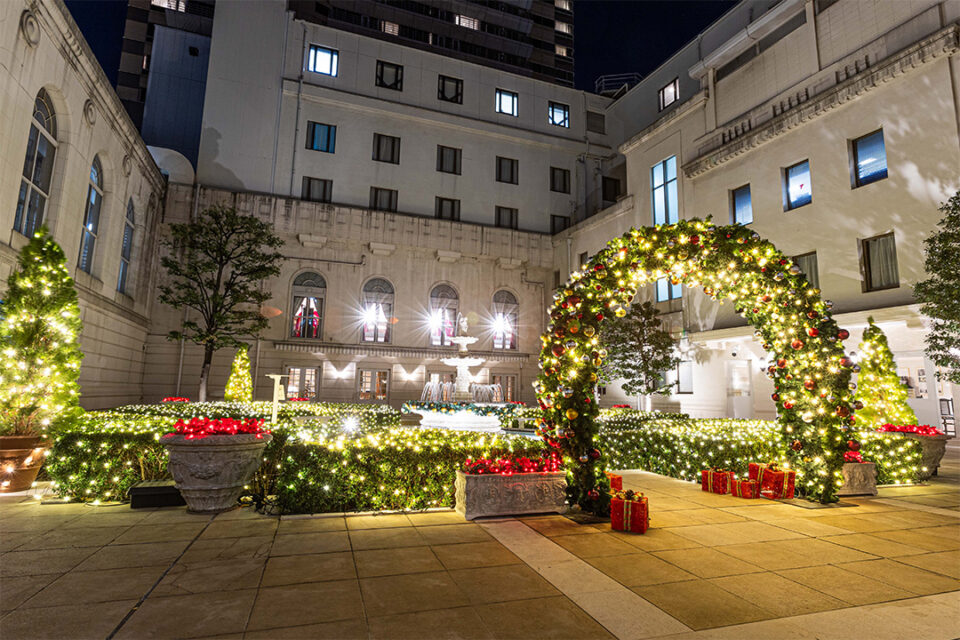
<point x="933" y="450"/>
<point x="211" y="472"/>
<point x="20" y="460"/>
<point x="859" y="479"/>
<point x="497" y="495"/>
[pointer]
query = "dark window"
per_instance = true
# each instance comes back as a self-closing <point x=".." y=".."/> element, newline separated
<point x="559" y="223"/>
<point x="669" y="94"/>
<point x="317" y="189"/>
<point x="386" y="148"/>
<point x="507" y="217"/>
<point x="448" y="209"/>
<point x="558" y="114"/>
<point x="559" y="180"/>
<point x="797" y="188"/>
<point x="389" y="75"/>
<point x="450" y="89"/>
<point x="741" y="209"/>
<point x="808" y="265"/>
<point x="869" y="159"/>
<point x="507" y="170"/>
<point x="193" y="51"/>
<point x="879" y="257"/>
<point x="321" y="137"/>
<point x="596" y="122"/>
<point x="448" y="159"/>
<point x="611" y="189"/>
<point x="383" y="199"/>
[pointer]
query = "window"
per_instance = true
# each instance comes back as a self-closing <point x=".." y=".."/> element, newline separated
<point x="560" y="50"/>
<point x="173" y="5"/>
<point x="507" y="217"/>
<point x="508" y="387"/>
<point x="507" y="170"/>
<point x="558" y="114"/>
<point x="797" y="185"/>
<point x="664" y="179"/>
<point x="582" y="258"/>
<point x="564" y="27"/>
<point x="373" y="386"/>
<point x="377" y="310"/>
<point x="879" y="256"/>
<point x="303" y="382"/>
<point x="669" y="94"/>
<point x="450" y="89"/>
<point x="508" y="102"/>
<point x="808" y="265"/>
<point x="321" y="137"/>
<point x="596" y="122"/>
<point x="559" y="223"/>
<point x="685" y="376"/>
<point x="506" y="313"/>
<point x="559" y="180"/>
<point x="610" y="189"/>
<point x="741" y="209"/>
<point x="869" y="159"/>
<point x="386" y="148"/>
<point x="91" y="218"/>
<point x="389" y="76"/>
<point x="383" y="199"/>
<point x="317" y="189"/>
<point x="565" y="5"/>
<point x="447" y="209"/>
<point x="37" y="167"/>
<point x="444" y="303"/>
<point x="667" y="290"/>
<point x="391" y="28"/>
<point x="309" y="291"/>
<point x="323" y="60"/>
<point x="466" y="22"/>
<point x="448" y="159"/>
<point x="126" y="249"/>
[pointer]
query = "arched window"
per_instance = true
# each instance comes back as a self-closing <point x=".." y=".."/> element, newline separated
<point x="37" y="167"/>
<point x="309" y="291"/>
<point x="377" y="311"/>
<point x="126" y="249"/>
<point x="91" y="219"/>
<point x="506" y="320"/>
<point x="443" y="315"/>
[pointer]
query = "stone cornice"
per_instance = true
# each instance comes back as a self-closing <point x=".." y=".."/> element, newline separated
<point x="942" y="43"/>
<point x="392" y="351"/>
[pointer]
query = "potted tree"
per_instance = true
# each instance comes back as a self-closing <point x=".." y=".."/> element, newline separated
<point x="39" y="358"/>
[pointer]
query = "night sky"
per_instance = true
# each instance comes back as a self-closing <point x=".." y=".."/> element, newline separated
<point x="610" y="36"/>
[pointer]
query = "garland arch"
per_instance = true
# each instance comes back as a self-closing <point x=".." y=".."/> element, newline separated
<point x="810" y="372"/>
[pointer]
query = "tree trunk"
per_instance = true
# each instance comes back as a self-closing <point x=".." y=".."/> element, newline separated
<point x="205" y="373"/>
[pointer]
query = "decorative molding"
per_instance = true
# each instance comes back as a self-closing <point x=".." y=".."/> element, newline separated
<point x="30" y="28"/>
<point x="391" y="351"/>
<point x="89" y="112"/>
<point x="127" y="165"/>
<point x="503" y="495"/>
<point x="382" y="248"/>
<point x="509" y="264"/>
<point x="312" y="241"/>
<point x="448" y="256"/>
<point x="659" y="124"/>
<point x="942" y="43"/>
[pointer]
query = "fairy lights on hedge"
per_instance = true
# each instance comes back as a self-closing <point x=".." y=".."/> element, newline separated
<point x="810" y="372"/>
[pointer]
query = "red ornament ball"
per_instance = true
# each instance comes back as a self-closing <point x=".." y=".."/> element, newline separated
<point x="809" y="384"/>
<point x="843" y="334"/>
<point x="797" y="344"/>
<point x="796" y="445"/>
<point x="813" y="332"/>
<point x="853" y="445"/>
<point x="593" y="494"/>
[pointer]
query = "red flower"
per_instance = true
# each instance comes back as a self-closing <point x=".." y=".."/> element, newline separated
<point x="198" y="428"/>
<point x="852" y="456"/>
<point x="508" y="466"/>
<point x="176" y="399"/>
<point x="919" y="429"/>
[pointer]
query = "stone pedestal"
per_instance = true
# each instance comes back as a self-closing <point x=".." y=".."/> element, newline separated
<point x="933" y="449"/>
<point x="497" y="495"/>
<point x="859" y="479"/>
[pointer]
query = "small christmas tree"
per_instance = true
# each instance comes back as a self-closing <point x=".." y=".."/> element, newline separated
<point x="39" y="350"/>
<point x="240" y="383"/>
<point x="883" y="395"/>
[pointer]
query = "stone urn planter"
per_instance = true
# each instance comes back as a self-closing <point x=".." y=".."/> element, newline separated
<point x="20" y="460"/>
<point x="933" y="448"/>
<point x="502" y="495"/>
<point x="859" y="479"/>
<point x="211" y="472"/>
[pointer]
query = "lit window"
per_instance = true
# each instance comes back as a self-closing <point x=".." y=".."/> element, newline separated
<point x="559" y="180"/>
<point x="91" y="219"/>
<point x="448" y="160"/>
<point x="880" y="263"/>
<point x="173" y="5"/>
<point x="37" y="167"/>
<point x="450" y="89"/>
<point x="565" y="5"/>
<point x="563" y="51"/>
<point x="303" y="382"/>
<point x="685" y="376"/>
<point x="665" y="203"/>
<point x="508" y="102"/>
<point x="126" y="249"/>
<point x="808" y="265"/>
<point x="383" y="199"/>
<point x="558" y="114"/>
<point x="669" y="94"/>
<point x="741" y="209"/>
<point x="323" y="60"/>
<point x="389" y="75"/>
<point x="391" y="28"/>
<point x="317" y="189"/>
<point x="309" y="292"/>
<point x="386" y="148"/>
<point x="799" y="191"/>
<point x="321" y="137"/>
<point x="508" y="170"/>
<point x="377" y="310"/>
<point x="869" y="159"/>
<point x="667" y="290"/>
<point x="444" y="303"/>
<point x="447" y="209"/>
<point x="467" y="22"/>
<point x="507" y="217"/>
<point x="506" y="313"/>
<point x="373" y="385"/>
<point x="565" y="27"/>
<point x="508" y="387"/>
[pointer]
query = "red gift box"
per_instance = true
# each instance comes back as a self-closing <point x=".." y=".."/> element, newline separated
<point x="774" y="483"/>
<point x="745" y="488"/>
<point x="715" y="480"/>
<point x="616" y="482"/>
<point x="630" y="515"/>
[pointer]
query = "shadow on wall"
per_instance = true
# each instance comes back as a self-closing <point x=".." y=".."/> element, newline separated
<point x="214" y="174"/>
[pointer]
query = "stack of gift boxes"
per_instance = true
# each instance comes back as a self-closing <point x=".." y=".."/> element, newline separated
<point x="763" y="480"/>
<point x="629" y="510"/>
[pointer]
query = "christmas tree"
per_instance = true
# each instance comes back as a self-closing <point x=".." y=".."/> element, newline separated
<point x="39" y="350"/>
<point x="880" y="391"/>
<point x="240" y="383"/>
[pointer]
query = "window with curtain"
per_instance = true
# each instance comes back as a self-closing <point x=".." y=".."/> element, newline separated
<point x="508" y="102"/>
<point x="323" y="60"/>
<point x="880" y="263"/>
<point x="558" y="114"/>
<point x="559" y="180"/>
<point x="808" y="265"/>
<point x="91" y="218"/>
<point x="126" y="249"/>
<point x="377" y="310"/>
<point x="37" y="167"/>
<point x="389" y="75"/>
<point x="450" y="89"/>
<point x="663" y="177"/>
<point x="321" y="137"/>
<point x="448" y="159"/>
<point x="869" y="159"/>
<point x="373" y="385"/>
<point x="444" y="303"/>
<point x="386" y="148"/>
<point x="309" y="293"/>
<point x="447" y="209"/>
<point x="303" y="382"/>
<point x="506" y="320"/>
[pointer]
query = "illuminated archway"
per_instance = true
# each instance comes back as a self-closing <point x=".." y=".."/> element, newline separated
<point x="810" y="373"/>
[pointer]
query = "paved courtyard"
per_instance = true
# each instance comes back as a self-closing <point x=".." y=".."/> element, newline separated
<point x="711" y="566"/>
